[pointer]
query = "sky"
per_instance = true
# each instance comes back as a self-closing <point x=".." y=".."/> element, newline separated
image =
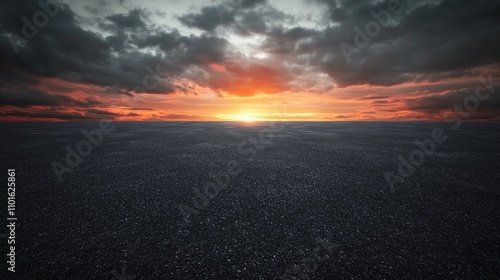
<point x="249" y="60"/>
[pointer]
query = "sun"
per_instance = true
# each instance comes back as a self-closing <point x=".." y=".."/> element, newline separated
<point x="248" y="118"/>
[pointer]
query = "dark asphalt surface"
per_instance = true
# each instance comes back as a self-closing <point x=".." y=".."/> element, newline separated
<point x="119" y="208"/>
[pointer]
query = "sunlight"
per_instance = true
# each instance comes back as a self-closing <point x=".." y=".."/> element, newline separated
<point x="245" y="117"/>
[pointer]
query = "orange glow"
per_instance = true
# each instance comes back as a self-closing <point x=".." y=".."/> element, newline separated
<point x="243" y="117"/>
<point x="253" y="96"/>
<point x="219" y="67"/>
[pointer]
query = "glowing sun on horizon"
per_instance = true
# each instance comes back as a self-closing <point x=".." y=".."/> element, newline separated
<point x="248" y="118"/>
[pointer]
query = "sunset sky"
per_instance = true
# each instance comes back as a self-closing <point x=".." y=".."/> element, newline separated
<point x="246" y="60"/>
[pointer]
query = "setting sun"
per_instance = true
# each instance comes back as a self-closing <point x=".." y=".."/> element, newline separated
<point x="245" y="118"/>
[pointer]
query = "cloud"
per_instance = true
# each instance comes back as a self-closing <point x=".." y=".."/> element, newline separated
<point x="373" y="97"/>
<point x="47" y="114"/>
<point x="25" y="98"/>
<point x="436" y="41"/>
<point x="118" y="60"/>
<point x="132" y="20"/>
<point x="211" y="17"/>
<point x="446" y="100"/>
<point x="208" y="19"/>
<point x="175" y="116"/>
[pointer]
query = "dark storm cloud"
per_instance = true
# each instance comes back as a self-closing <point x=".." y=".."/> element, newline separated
<point x="62" y="46"/>
<point x="263" y="20"/>
<point x="282" y="41"/>
<point x="30" y="97"/>
<point x="117" y="41"/>
<point x="130" y="21"/>
<point x="52" y="114"/>
<point x="184" y="51"/>
<point x="207" y="19"/>
<point x="211" y="17"/>
<point x="436" y="39"/>
<point x="247" y="3"/>
<point x="445" y="101"/>
<point x="54" y="49"/>
<point x="251" y="22"/>
<point x="204" y="50"/>
<point x="101" y="112"/>
<point x="166" y="41"/>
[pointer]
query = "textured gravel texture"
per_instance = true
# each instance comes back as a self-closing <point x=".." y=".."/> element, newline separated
<point x="297" y="183"/>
